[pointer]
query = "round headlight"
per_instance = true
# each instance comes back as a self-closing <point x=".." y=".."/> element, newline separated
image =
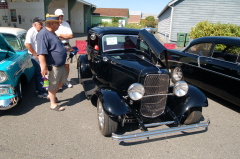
<point x="136" y="91"/>
<point x="3" y="76"/>
<point x="180" y="88"/>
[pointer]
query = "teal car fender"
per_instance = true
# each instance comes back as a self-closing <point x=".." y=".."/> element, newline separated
<point x="16" y="69"/>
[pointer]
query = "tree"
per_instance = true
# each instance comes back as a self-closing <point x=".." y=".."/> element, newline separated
<point x="115" y="19"/>
<point x="150" y="18"/>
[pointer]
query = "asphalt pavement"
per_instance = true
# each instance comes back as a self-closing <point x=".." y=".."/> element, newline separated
<point x="32" y="131"/>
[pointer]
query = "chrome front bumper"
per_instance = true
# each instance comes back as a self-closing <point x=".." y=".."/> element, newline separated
<point x="147" y="134"/>
<point x="8" y="103"/>
<point x="9" y="99"/>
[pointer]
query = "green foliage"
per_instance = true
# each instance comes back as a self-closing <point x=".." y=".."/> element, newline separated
<point x="115" y="19"/>
<point x="150" y="18"/>
<point x="206" y="28"/>
<point x="106" y="24"/>
<point x="152" y="24"/>
<point x="135" y="26"/>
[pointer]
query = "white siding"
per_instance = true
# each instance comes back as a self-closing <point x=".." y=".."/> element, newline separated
<point x="164" y="24"/>
<point x="187" y="13"/>
<point x="27" y="10"/>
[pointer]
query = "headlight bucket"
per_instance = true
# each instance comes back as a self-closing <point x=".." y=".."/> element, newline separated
<point x="136" y="91"/>
<point x="180" y="88"/>
<point x="6" y="89"/>
<point x="3" y="76"/>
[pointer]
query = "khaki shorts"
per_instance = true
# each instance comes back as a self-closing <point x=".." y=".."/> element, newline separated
<point x="68" y="60"/>
<point x="56" y="76"/>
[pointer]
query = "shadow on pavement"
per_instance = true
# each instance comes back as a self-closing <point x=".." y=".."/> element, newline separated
<point x="29" y="101"/>
<point x="222" y="101"/>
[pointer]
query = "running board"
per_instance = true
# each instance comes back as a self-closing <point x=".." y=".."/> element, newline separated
<point x="147" y="134"/>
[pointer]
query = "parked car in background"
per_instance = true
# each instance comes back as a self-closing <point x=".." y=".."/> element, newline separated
<point x="211" y="63"/>
<point x="151" y="30"/>
<point x="123" y="76"/>
<point x="16" y="67"/>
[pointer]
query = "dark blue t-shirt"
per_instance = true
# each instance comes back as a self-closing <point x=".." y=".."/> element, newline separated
<point x="49" y="44"/>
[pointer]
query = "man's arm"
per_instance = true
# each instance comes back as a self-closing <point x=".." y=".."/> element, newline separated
<point x="43" y="65"/>
<point x="29" y="47"/>
<point x="65" y="36"/>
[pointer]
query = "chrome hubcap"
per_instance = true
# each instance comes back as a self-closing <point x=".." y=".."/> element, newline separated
<point x="100" y="115"/>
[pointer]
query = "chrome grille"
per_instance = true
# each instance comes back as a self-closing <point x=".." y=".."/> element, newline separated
<point x="154" y="105"/>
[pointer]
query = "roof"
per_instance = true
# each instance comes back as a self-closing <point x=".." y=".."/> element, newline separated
<point x="134" y="19"/>
<point x="114" y="30"/>
<point x="11" y="30"/>
<point x="87" y="3"/>
<point x="111" y="12"/>
<point x="168" y="5"/>
<point x="227" y="40"/>
<point x="135" y="13"/>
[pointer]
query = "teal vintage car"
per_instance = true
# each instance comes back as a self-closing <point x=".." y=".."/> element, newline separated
<point x="16" y="67"/>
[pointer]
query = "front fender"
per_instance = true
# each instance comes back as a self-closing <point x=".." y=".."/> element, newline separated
<point x="112" y="103"/>
<point x="84" y="67"/>
<point x="194" y="98"/>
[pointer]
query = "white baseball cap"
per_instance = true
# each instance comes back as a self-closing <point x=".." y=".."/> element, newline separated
<point x="58" y="12"/>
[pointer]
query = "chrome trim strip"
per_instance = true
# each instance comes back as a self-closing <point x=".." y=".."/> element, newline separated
<point x="147" y="134"/>
<point x="207" y="70"/>
<point x="158" y="95"/>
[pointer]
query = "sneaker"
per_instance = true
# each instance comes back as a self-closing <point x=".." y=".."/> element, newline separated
<point x="68" y="84"/>
<point x="44" y="95"/>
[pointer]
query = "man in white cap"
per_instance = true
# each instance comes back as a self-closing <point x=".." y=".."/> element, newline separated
<point x="64" y="32"/>
<point x="31" y="45"/>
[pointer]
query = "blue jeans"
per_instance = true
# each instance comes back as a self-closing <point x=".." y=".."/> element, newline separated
<point x="38" y="76"/>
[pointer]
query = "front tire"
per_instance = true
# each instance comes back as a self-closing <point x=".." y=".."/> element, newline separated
<point x="107" y="125"/>
<point x="19" y="90"/>
<point x="176" y="74"/>
<point x="193" y="115"/>
<point x="79" y="75"/>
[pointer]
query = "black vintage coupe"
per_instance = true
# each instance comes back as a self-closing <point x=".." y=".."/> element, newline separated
<point x="123" y="76"/>
<point x="211" y="63"/>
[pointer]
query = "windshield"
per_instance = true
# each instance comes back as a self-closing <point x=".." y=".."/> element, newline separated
<point x="13" y="41"/>
<point x="123" y="42"/>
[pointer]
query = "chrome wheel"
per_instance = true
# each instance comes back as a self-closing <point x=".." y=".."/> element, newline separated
<point x="107" y="125"/>
<point x="100" y="115"/>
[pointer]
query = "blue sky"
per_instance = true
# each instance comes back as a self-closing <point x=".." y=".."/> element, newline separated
<point x="145" y="6"/>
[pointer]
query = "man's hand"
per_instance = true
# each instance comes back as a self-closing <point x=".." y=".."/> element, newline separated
<point x="43" y="65"/>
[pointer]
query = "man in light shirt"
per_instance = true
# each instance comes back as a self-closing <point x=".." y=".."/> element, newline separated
<point x="64" y="32"/>
<point x="31" y="45"/>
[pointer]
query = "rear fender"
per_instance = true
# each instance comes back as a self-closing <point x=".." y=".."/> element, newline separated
<point x="112" y="103"/>
<point x="194" y="98"/>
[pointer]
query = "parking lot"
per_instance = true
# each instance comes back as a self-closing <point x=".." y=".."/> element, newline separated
<point x="32" y="130"/>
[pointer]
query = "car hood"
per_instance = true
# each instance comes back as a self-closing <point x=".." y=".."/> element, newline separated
<point x="133" y="63"/>
<point x="152" y="42"/>
<point x="4" y="44"/>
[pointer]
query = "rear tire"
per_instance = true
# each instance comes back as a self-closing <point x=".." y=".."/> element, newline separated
<point x="193" y="115"/>
<point x="107" y="125"/>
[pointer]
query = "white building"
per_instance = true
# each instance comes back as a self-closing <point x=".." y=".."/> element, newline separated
<point x="20" y="13"/>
